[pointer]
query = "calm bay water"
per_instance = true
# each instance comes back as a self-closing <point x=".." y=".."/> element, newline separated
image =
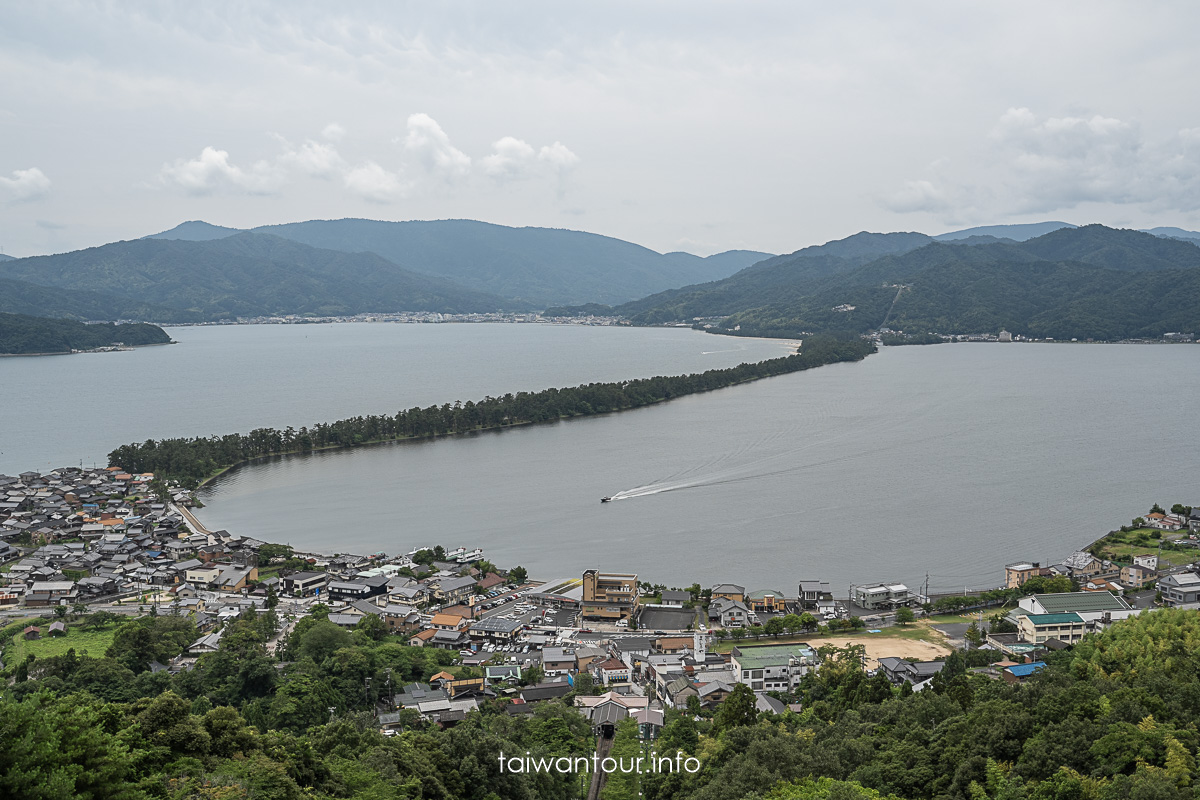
<point x="948" y="461"/>
<point x="60" y="410"/>
<point x="944" y="461"/>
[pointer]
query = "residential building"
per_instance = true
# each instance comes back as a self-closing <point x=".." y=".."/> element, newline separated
<point x="769" y="601"/>
<point x="1016" y="574"/>
<point x="496" y="630"/>
<point x="881" y="596"/>
<point x="730" y="613"/>
<point x="557" y="661"/>
<point x="899" y="671"/>
<point x="609" y="596"/>
<point x="302" y="584"/>
<point x="610" y="671"/>
<point x="1180" y="588"/>
<point x="1136" y="575"/>
<point x="449" y="622"/>
<point x="675" y="599"/>
<point x="773" y="667"/>
<point x="815" y="596"/>
<point x="730" y="591"/>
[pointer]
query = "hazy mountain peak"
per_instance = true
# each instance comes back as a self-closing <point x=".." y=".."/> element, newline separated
<point x="1019" y="232"/>
<point x="195" y="230"/>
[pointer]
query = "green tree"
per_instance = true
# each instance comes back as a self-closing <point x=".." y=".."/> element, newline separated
<point x="372" y="626"/>
<point x="774" y="626"/>
<point x="518" y="575"/>
<point x="625" y="749"/>
<point x="59" y="748"/>
<point x="737" y="709"/>
<point x="905" y="615"/>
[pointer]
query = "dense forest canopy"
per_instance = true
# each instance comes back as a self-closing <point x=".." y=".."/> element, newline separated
<point x="1113" y="719"/>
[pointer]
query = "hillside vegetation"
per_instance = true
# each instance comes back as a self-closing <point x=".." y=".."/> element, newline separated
<point x="244" y="275"/>
<point x="1114" y="719"/>
<point x="536" y="266"/>
<point x="24" y="335"/>
<point x="1089" y="282"/>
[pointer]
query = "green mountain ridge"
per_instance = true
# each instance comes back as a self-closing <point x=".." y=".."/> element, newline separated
<point x="1088" y="282"/>
<point x="536" y="266"/>
<point x="247" y="274"/>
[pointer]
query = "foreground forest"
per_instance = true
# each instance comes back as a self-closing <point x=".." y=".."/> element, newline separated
<point x="1114" y="718"/>
<point x="193" y="460"/>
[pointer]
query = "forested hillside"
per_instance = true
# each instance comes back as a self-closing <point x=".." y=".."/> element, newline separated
<point x="1089" y="282"/>
<point x="1115" y="718"/>
<point x="244" y="275"/>
<point x="536" y="266"/>
<point x="23" y="335"/>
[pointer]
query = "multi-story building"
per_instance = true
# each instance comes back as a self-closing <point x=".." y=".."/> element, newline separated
<point x="772" y="667"/>
<point x="881" y="596"/>
<point x="1067" y="627"/>
<point x="609" y="596"/>
<point x="1016" y="574"/>
<point x="815" y="596"/>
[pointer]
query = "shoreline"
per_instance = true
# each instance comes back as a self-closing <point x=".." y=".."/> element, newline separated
<point x="88" y="352"/>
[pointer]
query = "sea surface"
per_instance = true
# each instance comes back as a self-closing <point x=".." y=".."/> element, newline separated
<point x="938" y="463"/>
<point x="931" y="464"/>
<point x="61" y="410"/>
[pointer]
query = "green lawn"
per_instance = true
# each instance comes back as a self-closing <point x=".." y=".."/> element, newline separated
<point x="1125" y="553"/>
<point x="91" y="642"/>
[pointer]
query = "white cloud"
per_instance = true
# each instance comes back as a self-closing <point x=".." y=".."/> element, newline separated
<point x="1063" y="162"/>
<point x="429" y="144"/>
<point x="333" y="132"/>
<point x="313" y="158"/>
<point x="26" y="184"/>
<point x="374" y="183"/>
<point x="212" y="171"/>
<point x="1040" y="165"/>
<point x="916" y="196"/>
<point x="558" y="156"/>
<point x="510" y="158"/>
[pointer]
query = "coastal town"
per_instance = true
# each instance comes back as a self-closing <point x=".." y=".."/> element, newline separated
<point x="81" y="542"/>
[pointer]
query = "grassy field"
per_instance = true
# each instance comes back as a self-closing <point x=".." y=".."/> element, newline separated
<point x="1124" y="552"/>
<point x="91" y="642"/>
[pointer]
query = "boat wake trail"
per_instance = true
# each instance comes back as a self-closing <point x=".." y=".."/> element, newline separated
<point x="741" y="465"/>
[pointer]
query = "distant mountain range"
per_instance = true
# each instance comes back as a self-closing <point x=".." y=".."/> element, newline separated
<point x="535" y="267"/>
<point x="248" y="274"/>
<point x="3" y="257"/>
<point x="1089" y="282"/>
<point x="1042" y="279"/>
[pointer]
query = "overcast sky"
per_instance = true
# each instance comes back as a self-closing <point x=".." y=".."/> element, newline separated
<point x="681" y="126"/>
